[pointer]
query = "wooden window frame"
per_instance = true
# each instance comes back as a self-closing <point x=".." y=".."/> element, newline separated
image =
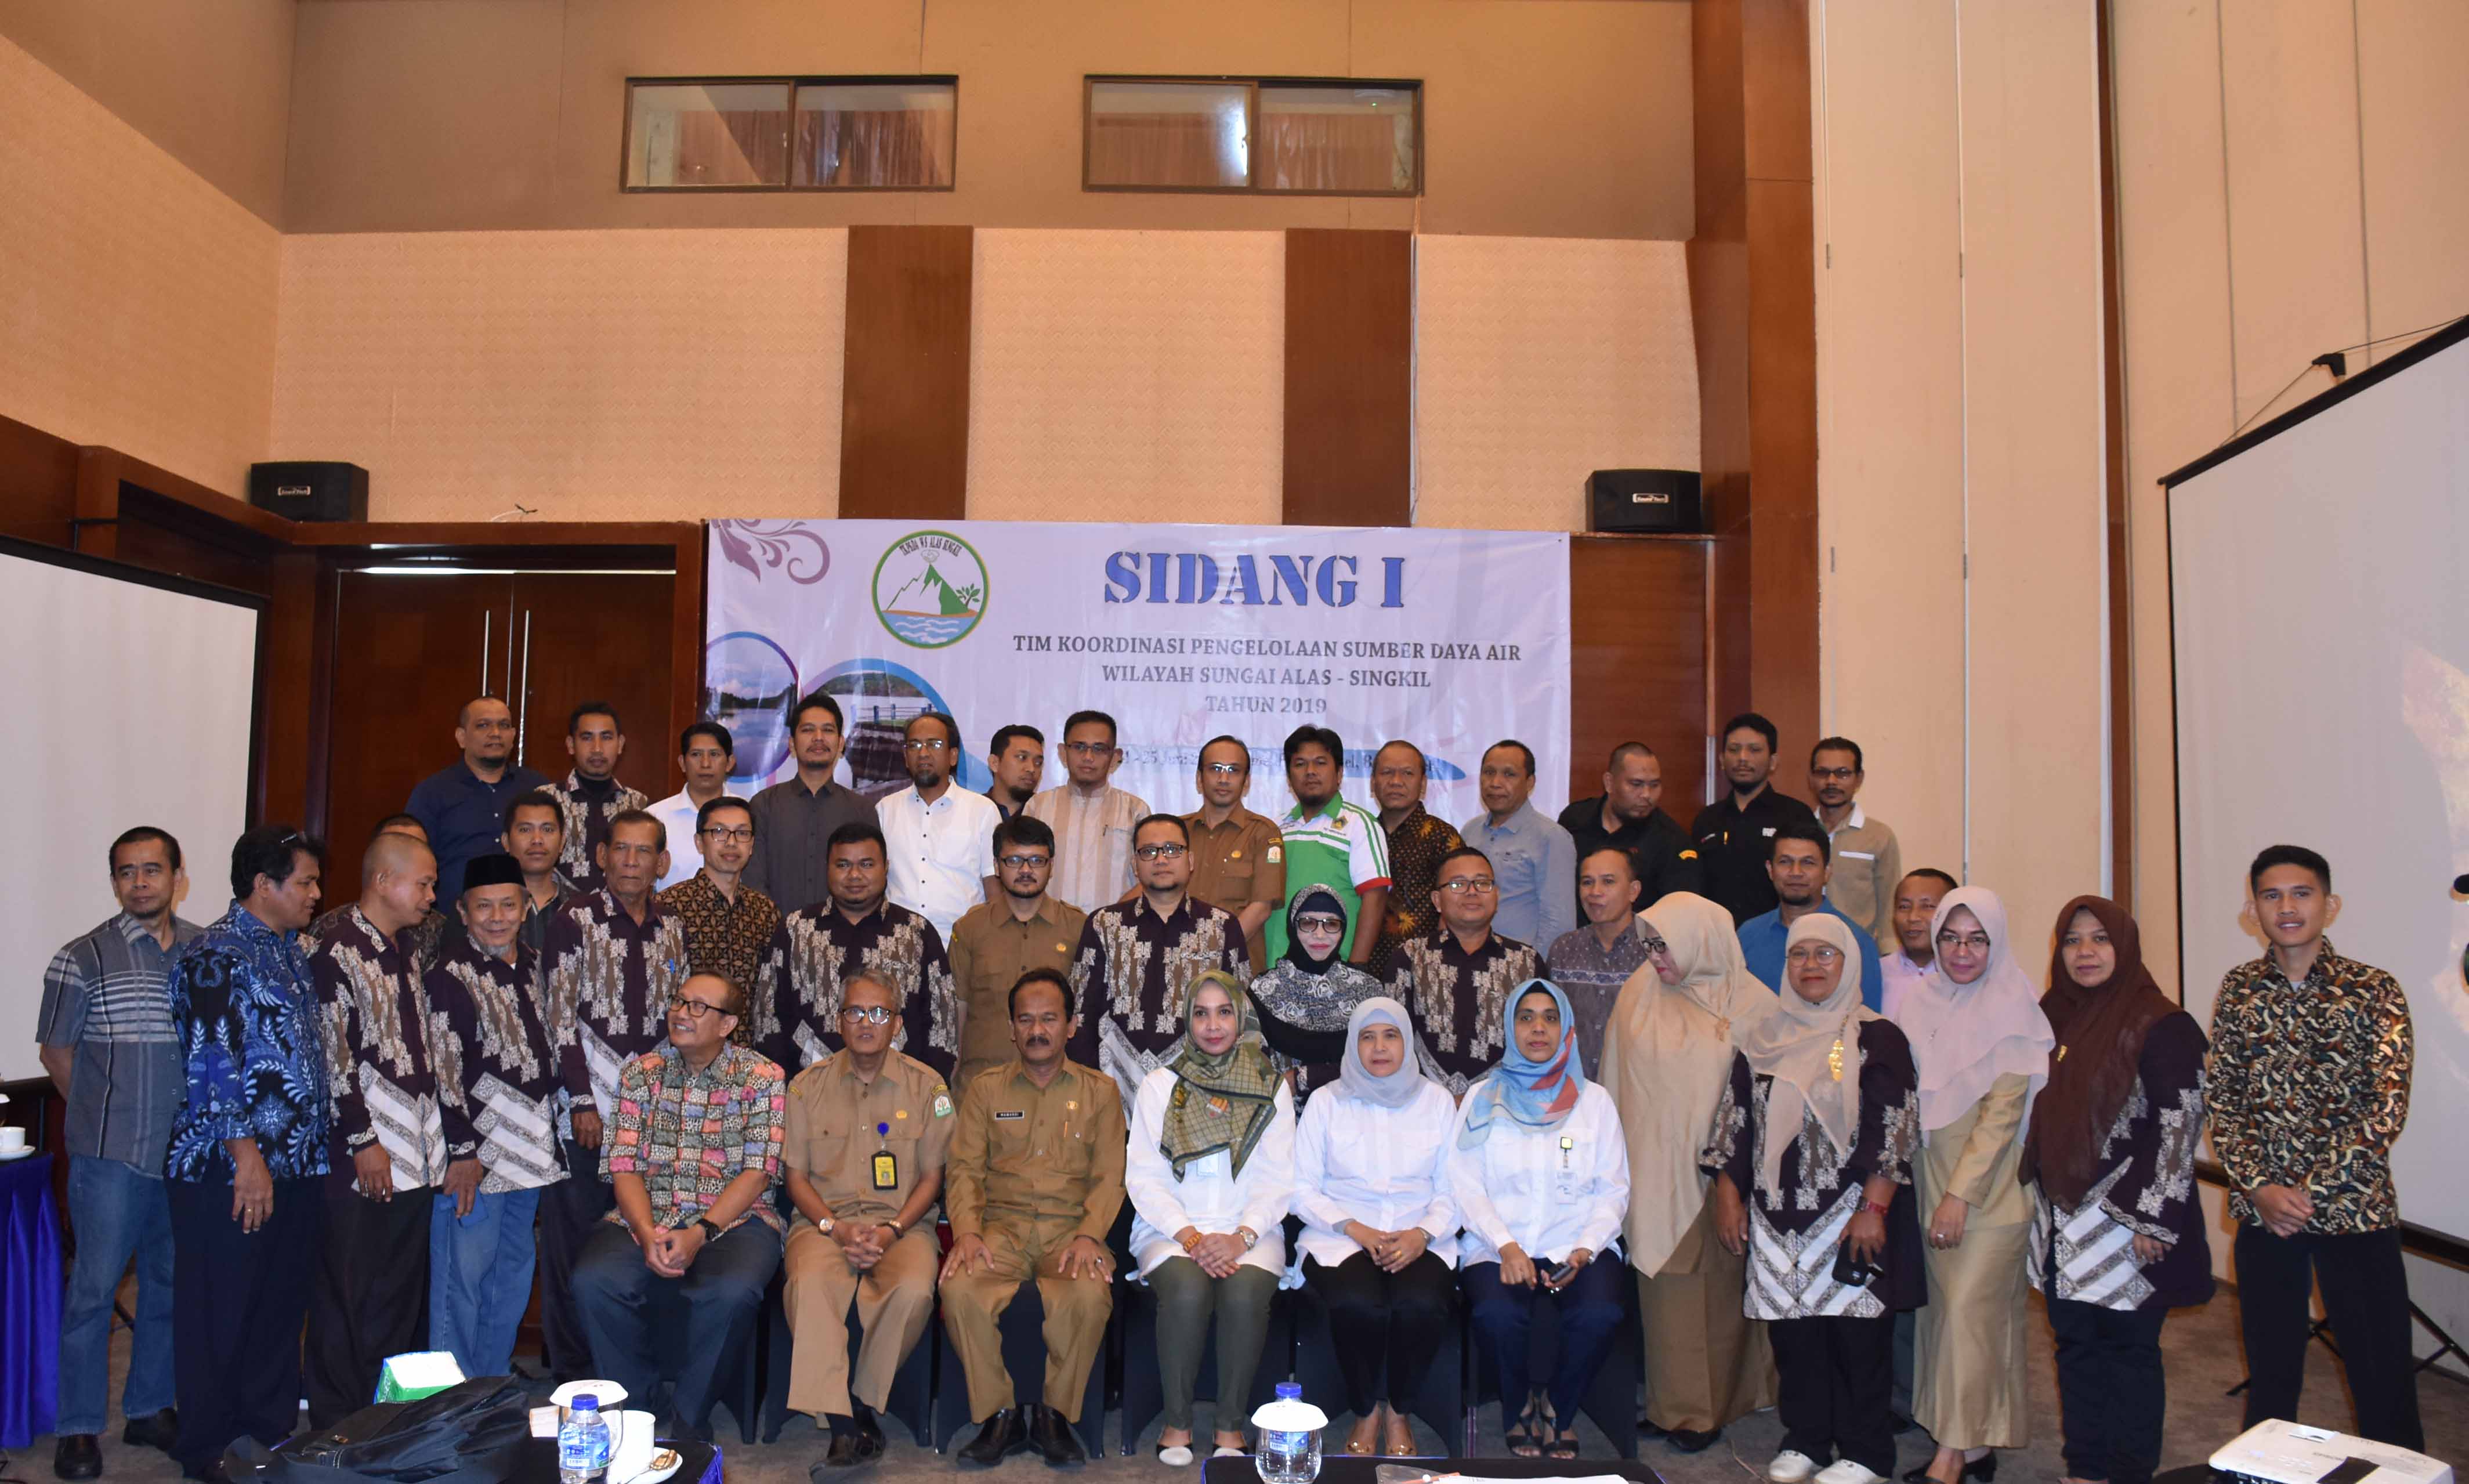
<point x="794" y="82"/>
<point x="1251" y="86"/>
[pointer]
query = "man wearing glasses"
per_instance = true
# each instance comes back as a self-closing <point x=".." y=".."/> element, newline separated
<point x="1237" y="857"/>
<point x="705" y="753"/>
<point x="939" y="836"/>
<point x="994" y="943"/>
<point x="463" y="804"/>
<point x="1456" y="982"/>
<point x="728" y="925"/>
<point x="695" y="1130"/>
<point x="1867" y="861"/>
<point x="1136" y="957"/>
<point x="1090" y="818"/>
<point x="867" y="1130"/>
<point x="818" y="950"/>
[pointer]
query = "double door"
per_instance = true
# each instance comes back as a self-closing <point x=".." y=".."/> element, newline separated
<point x="412" y="648"/>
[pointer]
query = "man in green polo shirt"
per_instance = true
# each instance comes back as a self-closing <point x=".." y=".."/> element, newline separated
<point x="1331" y="842"/>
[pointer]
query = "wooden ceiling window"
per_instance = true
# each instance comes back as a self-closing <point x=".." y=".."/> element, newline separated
<point x="868" y="134"/>
<point x="1284" y="136"/>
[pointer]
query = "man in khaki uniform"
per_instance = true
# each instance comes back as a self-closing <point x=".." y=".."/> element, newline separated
<point x="1237" y="857"/>
<point x="1035" y="1179"/>
<point x="995" y="943"/>
<point x="864" y="1160"/>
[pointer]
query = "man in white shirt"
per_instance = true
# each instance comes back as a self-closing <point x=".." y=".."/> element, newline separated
<point x="939" y="836"/>
<point x="1090" y="818"/>
<point x="706" y="752"/>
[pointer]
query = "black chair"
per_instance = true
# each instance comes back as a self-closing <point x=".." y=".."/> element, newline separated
<point x="1144" y="1390"/>
<point x="912" y="1403"/>
<point x="1612" y="1400"/>
<point x="1442" y="1402"/>
<point x="1022" y="1327"/>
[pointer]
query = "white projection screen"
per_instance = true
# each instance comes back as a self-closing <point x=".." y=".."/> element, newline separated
<point x="2322" y="629"/>
<point x="129" y="701"/>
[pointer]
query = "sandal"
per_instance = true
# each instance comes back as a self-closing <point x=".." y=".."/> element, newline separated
<point x="1525" y="1438"/>
<point x="1562" y="1447"/>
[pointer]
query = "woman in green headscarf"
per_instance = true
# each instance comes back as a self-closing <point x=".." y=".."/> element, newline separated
<point x="1209" y="1173"/>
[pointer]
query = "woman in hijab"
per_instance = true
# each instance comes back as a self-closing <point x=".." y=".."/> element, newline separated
<point x="1811" y="1153"/>
<point x="1379" y="1233"/>
<point x="1209" y="1172"/>
<point x="1541" y="1181"/>
<point x="1304" y="998"/>
<point x="2117" y="1235"/>
<point x="1982" y="1048"/>
<point x="1667" y="1056"/>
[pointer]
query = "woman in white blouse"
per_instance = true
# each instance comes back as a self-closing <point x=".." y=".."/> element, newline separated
<point x="1541" y="1175"/>
<point x="1209" y="1172"/>
<point x="1380" y="1227"/>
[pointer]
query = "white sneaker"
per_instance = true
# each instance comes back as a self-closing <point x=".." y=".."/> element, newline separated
<point x="1790" y="1466"/>
<point x="1843" y="1471"/>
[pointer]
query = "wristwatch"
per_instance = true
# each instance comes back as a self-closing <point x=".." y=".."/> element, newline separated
<point x="898" y="1231"/>
<point x="710" y="1229"/>
<point x="824" y="1223"/>
<point x="1250" y="1237"/>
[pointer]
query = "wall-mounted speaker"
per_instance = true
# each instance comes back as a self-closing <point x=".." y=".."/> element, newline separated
<point x="315" y="491"/>
<point x="1630" y="500"/>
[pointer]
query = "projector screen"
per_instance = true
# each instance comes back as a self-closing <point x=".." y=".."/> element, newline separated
<point x="129" y="701"/>
<point x="2322" y="632"/>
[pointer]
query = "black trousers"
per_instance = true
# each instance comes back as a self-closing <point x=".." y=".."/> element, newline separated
<point x="698" y="1327"/>
<point x="236" y="1301"/>
<point x="1387" y="1328"/>
<point x="2112" y="1390"/>
<point x="370" y="1299"/>
<point x="569" y="1212"/>
<point x="1831" y="1379"/>
<point x="2366" y="1295"/>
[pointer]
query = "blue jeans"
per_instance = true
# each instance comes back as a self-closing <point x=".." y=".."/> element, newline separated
<point x="1504" y="1318"/>
<point x="480" y="1278"/>
<point x="116" y="1213"/>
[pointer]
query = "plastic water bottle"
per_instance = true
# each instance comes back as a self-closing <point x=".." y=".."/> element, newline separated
<point x="583" y="1444"/>
<point x="1289" y="1447"/>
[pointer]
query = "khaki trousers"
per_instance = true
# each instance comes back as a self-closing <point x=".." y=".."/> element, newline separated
<point x="893" y="1299"/>
<point x="1707" y="1364"/>
<point x="1076" y="1309"/>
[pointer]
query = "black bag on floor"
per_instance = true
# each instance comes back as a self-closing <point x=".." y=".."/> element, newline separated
<point x="469" y="1433"/>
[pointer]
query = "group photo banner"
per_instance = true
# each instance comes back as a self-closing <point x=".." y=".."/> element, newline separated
<point x="1449" y="639"/>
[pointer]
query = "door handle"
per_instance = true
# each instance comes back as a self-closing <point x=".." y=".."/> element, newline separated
<point x="523" y="717"/>
<point x="485" y="616"/>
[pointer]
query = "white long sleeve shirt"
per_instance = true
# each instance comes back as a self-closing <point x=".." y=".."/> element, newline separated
<point x="1210" y="1195"/>
<point x="1386" y="1167"/>
<point x="1549" y="1190"/>
<point x="937" y="856"/>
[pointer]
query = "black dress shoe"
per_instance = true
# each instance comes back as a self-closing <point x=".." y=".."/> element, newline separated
<point x="1901" y="1421"/>
<point x="77" y="1456"/>
<point x="160" y="1430"/>
<point x="848" y="1450"/>
<point x="209" y="1473"/>
<point x="1001" y="1436"/>
<point x="1646" y="1429"/>
<point x="1691" y="1440"/>
<point x="1051" y="1435"/>
<point x="1982" y="1469"/>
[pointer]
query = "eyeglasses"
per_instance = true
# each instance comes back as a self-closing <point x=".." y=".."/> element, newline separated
<point x="1023" y="861"/>
<point x="1089" y="749"/>
<point x="1651" y="944"/>
<point x="696" y="1009"/>
<point x="1316" y="923"/>
<point x="1460" y="886"/>
<point x="869" y="1014"/>
<point x="738" y="836"/>
<point x="1977" y="942"/>
<point x="1222" y="770"/>
<point x="1834" y="775"/>
<point x="1812" y="953"/>
<point x="1153" y="852"/>
<point x="926" y="744"/>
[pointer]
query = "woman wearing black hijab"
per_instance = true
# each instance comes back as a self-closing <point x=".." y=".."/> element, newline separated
<point x="1304" y="1000"/>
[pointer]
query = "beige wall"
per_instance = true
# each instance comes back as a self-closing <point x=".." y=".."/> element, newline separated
<point x="137" y="302"/>
<point x="430" y="115"/>
<point x="209" y="84"/>
<point x="1960" y="417"/>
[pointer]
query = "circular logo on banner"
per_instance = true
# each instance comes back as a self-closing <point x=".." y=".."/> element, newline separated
<point x="930" y="589"/>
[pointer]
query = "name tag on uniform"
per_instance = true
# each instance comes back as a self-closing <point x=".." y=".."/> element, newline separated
<point x="1769" y="830"/>
<point x="1858" y="855"/>
<point x="1012" y="1113"/>
<point x="1567" y="1183"/>
<point x="886" y="1170"/>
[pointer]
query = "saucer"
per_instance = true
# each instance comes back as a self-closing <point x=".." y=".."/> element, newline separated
<point x="657" y="1471"/>
<point x="5" y="1155"/>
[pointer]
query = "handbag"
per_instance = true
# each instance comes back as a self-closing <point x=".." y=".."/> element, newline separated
<point x="469" y="1433"/>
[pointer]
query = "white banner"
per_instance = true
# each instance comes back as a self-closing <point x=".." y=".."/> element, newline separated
<point x="1449" y="639"/>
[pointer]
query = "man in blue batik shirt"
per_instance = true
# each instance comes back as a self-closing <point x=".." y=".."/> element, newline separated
<point x="247" y="1155"/>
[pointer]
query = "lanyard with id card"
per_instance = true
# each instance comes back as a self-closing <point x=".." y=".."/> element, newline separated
<point x="1566" y="1184"/>
<point x="886" y="1165"/>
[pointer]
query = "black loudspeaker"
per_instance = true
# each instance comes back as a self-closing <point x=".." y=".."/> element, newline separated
<point x="1643" y="499"/>
<point x="313" y="491"/>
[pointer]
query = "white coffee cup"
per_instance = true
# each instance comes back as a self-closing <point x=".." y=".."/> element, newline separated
<point x="634" y="1445"/>
<point x="13" y="1140"/>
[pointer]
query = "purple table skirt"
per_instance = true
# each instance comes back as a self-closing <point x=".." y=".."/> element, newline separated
<point x="29" y="1302"/>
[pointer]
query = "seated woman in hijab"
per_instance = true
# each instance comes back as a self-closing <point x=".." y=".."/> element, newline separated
<point x="1667" y="1057"/>
<point x="1379" y="1237"/>
<point x="1304" y="998"/>
<point x="1541" y="1181"/>
<point x="2117" y="1235"/>
<point x="1981" y="1048"/>
<point x="1812" y="1154"/>
<point x="1209" y="1172"/>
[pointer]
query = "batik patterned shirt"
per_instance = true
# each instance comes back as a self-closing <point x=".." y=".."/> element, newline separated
<point x="1128" y="977"/>
<point x="610" y="980"/>
<point x="491" y="1042"/>
<point x="687" y="1134"/>
<point x="2147" y="1190"/>
<point x="797" y="998"/>
<point x="1414" y="850"/>
<point x="253" y="1056"/>
<point x="1591" y="976"/>
<point x="586" y="808"/>
<point x="422" y="939"/>
<point x="2308" y="1086"/>
<point x="384" y="1079"/>
<point x="724" y="937"/>
<point x="1457" y="1000"/>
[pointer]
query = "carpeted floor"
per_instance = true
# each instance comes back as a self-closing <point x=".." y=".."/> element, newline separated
<point x="2204" y="1363"/>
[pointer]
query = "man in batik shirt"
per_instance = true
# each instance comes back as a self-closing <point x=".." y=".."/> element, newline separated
<point x="421" y="937"/>
<point x="1137" y="958"/>
<point x="590" y="798"/>
<point x="797" y="999"/>
<point x="1418" y="840"/>
<point x="728" y="923"/>
<point x="1455" y="983"/>
<point x="535" y="837"/>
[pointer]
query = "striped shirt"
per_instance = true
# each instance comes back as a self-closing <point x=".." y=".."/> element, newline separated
<point x="1092" y="842"/>
<point x="108" y="995"/>
<point x="1341" y="847"/>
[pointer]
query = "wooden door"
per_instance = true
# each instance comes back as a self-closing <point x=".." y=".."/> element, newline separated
<point x="597" y="637"/>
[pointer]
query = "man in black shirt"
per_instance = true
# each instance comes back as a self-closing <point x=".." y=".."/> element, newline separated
<point x="1629" y="816"/>
<point x="1736" y="833"/>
